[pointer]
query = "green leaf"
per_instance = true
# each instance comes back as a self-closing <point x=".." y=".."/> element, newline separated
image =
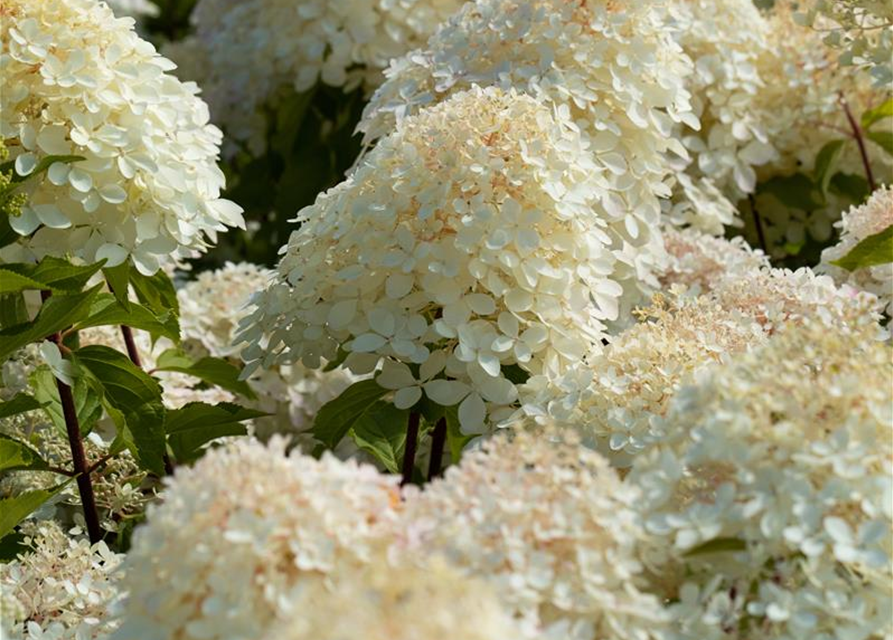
<point x="108" y="310"/>
<point x="338" y="416"/>
<point x="717" y="545"/>
<point x="11" y="545"/>
<point x="119" y="282"/>
<point x="87" y="401"/>
<point x="214" y="371"/>
<point x="880" y="112"/>
<point x="19" y="403"/>
<point x="873" y="250"/>
<point x="17" y="456"/>
<point x="515" y="374"/>
<point x="381" y="431"/>
<point x="191" y="426"/>
<point x="45" y="163"/>
<point x="12" y="282"/>
<point x="850" y="185"/>
<point x="882" y="138"/>
<point x="57" y="313"/>
<point x="156" y="292"/>
<point x="826" y="164"/>
<point x="133" y="400"/>
<point x="795" y="191"/>
<point x="13" y="310"/>
<point x="51" y="273"/>
<point x="14" y="510"/>
<point x="455" y="438"/>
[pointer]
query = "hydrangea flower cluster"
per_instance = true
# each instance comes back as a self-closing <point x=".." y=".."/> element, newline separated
<point x="242" y="529"/>
<point x="78" y="82"/>
<point x="861" y="29"/>
<point x="610" y="68"/>
<point x="768" y="506"/>
<point x="211" y="308"/>
<point x="857" y="224"/>
<point x="477" y="236"/>
<point x="403" y="602"/>
<point x="699" y="261"/>
<point x="550" y="525"/>
<point x="724" y="40"/>
<point x="800" y="104"/>
<point x="243" y="52"/>
<point x="617" y="400"/>
<point x="59" y="588"/>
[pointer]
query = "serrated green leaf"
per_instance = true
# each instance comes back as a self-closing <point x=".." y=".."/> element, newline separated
<point x="107" y="309"/>
<point x="880" y="112"/>
<point x="381" y="431"/>
<point x="826" y="164"/>
<point x="19" y="403"/>
<point x="87" y="402"/>
<point x="14" y="510"/>
<point x="156" y="292"/>
<point x="795" y="191"/>
<point x="336" y="418"/>
<point x="214" y="371"/>
<point x="882" y="138"/>
<point x="18" y="456"/>
<point x="197" y="423"/>
<point x="717" y="545"/>
<point x="133" y="400"/>
<point x="119" y="282"/>
<point x="12" y="282"/>
<point x="53" y="274"/>
<point x="57" y="313"/>
<point x="871" y="251"/>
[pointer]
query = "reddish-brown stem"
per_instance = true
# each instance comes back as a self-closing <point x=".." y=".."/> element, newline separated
<point x="858" y="134"/>
<point x="437" y="444"/>
<point x="78" y="458"/>
<point x="132" y="351"/>
<point x="412" y="443"/>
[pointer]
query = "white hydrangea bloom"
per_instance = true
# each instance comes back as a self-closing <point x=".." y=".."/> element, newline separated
<point x="857" y="224"/>
<point x="211" y="307"/>
<point x="241" y="530"/>
<point x="862" y="29"/>
<point x="60" y="588"/>
<point x="478" y="236"/>
<point x="724" y="39"/>
<point x="244" y="51"/>
<point x="212" y="304"/>
<point x="778" y="462"/>
<point x="800" y="103"/>
<point x="383" y="601"/>
<point x="550" y="525"/>
<point x="76" y="80"/>
<point x="698" y="261"/>
<point x="616" y="400"/>
<point x="610" y="68"/>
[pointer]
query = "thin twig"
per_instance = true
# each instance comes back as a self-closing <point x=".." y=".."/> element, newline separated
<point x="132" y="351"/>
<point x="860" y="140"/>
<point x="412" y="442"/>
<point x="758" y="223"/>
<point x="437" y="444"/>
<point x="78" y="458"/>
